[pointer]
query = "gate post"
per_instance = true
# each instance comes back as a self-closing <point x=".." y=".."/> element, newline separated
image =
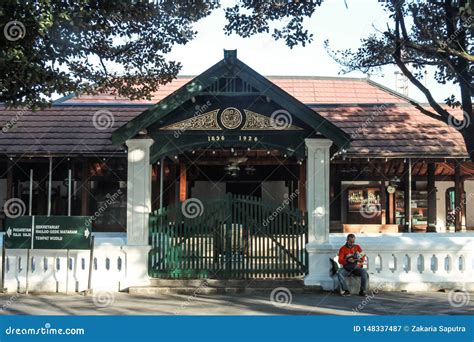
<point x="317" y="193"/>
<point x="138" y="209"/>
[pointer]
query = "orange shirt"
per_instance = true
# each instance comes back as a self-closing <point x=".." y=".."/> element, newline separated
<point x="344" y="251"/>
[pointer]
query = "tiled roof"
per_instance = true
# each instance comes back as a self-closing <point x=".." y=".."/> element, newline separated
<point x="309" y="90"/>
<point x="391" y="131"/>
<point x="63" y="130"/>
<point x="381" y="122"/>
<point x="377" y="131"/>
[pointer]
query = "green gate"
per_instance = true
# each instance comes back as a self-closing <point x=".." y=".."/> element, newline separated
<point x="234" y="237"/>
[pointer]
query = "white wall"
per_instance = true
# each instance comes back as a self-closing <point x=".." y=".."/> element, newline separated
<point x="469" y="188"/>
<point x="405" y="261"/>
<point x="441" y="188"/>
<point x="112" y="269"/>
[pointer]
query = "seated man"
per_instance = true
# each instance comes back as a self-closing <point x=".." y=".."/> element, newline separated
<point x="352" y="260"/>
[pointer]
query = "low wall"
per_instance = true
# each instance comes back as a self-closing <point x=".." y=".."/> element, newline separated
<point x="115" y="267"/>
<point x="412" y="262"/>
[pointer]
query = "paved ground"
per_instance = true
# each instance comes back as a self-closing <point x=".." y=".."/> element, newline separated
<point x="388" y="303"/>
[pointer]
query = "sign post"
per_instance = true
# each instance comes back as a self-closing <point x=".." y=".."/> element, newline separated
<point x="3" y="266"/>
<point x="48" y="232"/>
<point x="91" y="260"/>
<point x="28" y="251"/>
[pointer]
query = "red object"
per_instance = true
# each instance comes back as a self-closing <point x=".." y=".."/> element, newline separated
<point x="344" y="251"/>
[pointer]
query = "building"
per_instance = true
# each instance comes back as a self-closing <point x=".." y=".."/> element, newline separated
<point x="233" y="175"/>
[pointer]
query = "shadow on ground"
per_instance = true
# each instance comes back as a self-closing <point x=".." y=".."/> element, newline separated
<point x="107" y="303"/>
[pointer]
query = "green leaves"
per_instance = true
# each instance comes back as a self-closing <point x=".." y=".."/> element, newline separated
<point x="91" y="46"/>
<point x="253" y="17"/>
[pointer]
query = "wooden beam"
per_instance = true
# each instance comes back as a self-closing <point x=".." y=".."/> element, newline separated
<point x="302" y="187"/>
<point x="9" y="179"/>
<point x="171" y="184"/>
<point x="182" y="182"/>
<point x="391" y="208"/>
<point x="86" y="186"/>
<point x="408" y="180"/>
<point x="218" y="161"/>
<point x="431" y="198"/>
<point x="383" y="202"/>
<point x="155" y="186"/>
<point x="335" y="196"/>
<point x="463" y="207"/>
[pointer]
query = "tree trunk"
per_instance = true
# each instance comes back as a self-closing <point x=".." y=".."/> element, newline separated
<point x="468" y="135"/>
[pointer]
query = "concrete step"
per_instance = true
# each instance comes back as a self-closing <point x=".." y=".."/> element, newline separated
<point x="216" y="286"/>
<point x="228" y="283"/>
<point x="193" y="291"/>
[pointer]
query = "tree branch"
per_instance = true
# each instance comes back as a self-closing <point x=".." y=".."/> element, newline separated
<point x="397" y="55"/>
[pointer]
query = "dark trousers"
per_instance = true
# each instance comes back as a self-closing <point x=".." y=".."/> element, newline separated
<point x="342" y="274"/>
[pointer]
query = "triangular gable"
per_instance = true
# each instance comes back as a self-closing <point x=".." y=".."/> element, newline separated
<point x="230" y="67"/>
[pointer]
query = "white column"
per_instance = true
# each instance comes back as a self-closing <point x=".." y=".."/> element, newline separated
<point x="138" y="209"/>
<point x="317" y="201"/>
<point x="317" y="189"/>
<point x="138" y="191"/>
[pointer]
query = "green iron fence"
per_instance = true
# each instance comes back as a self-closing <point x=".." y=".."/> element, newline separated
<point x="234" y="237"/>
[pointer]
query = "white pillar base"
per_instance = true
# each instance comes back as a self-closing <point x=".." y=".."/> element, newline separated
<point x="136" y="266"/>
<point x="320" y="266"/>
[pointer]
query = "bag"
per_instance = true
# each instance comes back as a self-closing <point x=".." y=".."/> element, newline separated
<point x="350" y="266"/>
<point x="334" y="267"/>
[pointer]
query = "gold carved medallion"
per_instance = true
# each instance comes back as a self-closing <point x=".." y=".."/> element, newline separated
<point x="231" y="118"/>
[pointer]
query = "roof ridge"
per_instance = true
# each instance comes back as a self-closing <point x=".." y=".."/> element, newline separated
<point x="390" y="90"/>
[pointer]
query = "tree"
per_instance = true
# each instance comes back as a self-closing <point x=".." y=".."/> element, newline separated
<point x="64" y="46"/>
<point x="436" y="33"/>
<point x="117" y="47"/>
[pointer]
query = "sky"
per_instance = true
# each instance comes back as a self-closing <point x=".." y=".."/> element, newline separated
<point x="343" y="27"/>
